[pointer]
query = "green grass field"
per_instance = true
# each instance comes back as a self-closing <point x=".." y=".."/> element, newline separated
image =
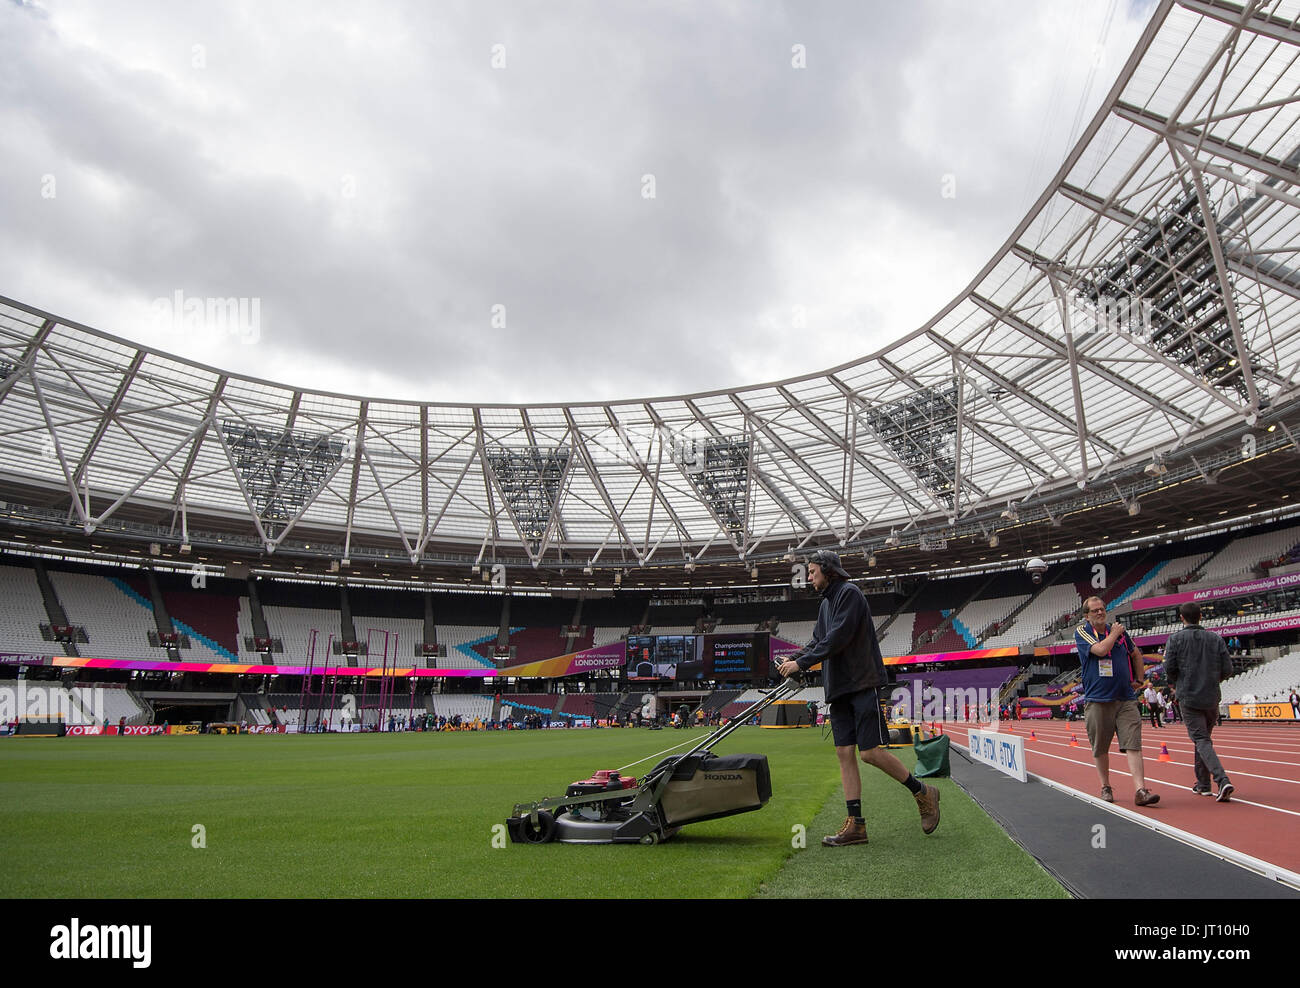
<point x="413" y="815"/>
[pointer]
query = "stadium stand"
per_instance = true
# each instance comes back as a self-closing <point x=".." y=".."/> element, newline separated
<point x="463" y="643"/>
<point x="209" y="618"/>
<point x="975" y="619"/>
<point x="294" y="626"/>
<point x="1247" y="555"/>
<point x="116" y="619"/>
<point x="23" y="614"/>
<point x="898" y="637"/>
<point x="798" y="632"/>
<point x="467" y="706"/>
<point x="1033" y="622"/>
<point x="1266" y="682"/>
<point x="574" y="705"/>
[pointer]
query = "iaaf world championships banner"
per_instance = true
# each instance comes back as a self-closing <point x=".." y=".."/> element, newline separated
<point x="611" y="656"/>
<point x="1218" y="593"/>
<point x="342" y="672"/>
<point x="782" y="649"/>
<point x="1222" y="630"/>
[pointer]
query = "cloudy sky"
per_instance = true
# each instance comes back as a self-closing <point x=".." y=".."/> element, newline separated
<point x="525" y="201"/>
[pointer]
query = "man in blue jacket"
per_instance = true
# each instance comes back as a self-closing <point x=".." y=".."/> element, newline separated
<point x="853" y="672"/>
<point x="1106" y="655"/>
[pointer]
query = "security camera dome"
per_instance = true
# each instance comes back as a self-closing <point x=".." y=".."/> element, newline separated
<point x="1036" y="568"/>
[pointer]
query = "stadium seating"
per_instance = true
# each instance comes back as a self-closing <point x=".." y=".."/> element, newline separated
<point x="1033" y="622"/>
<point x="798" y="632"/>
<point x="23" y="614"/>
<point x="975" y="618"/>
<point x="1157" y="579"/>
<point x="208" y="618"/>
<point x="117" y="621"/>
<point x="1267" y="682"/>
<point x="396" y="637"/>
<point x="1243" y="555"/>
<point x="468" y="706"/>
<point x="898" y="637"/>
<point x="462" y="642"/>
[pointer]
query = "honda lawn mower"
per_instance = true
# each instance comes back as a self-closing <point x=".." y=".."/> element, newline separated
<point x="611" y="808"/>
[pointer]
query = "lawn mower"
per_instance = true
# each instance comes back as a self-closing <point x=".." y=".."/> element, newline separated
<point x="611" y="808"/>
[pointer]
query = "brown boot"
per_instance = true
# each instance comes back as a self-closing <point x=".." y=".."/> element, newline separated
<point x="850" y="833"/>
<point x="928" y="803"/>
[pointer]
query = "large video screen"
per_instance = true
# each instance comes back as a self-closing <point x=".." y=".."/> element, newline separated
<point x="736" y="657"/>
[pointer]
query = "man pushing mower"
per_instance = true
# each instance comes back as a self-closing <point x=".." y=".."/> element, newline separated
<point x="853" y="672"/>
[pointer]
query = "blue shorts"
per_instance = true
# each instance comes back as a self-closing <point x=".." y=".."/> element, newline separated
<point x="856" y="719"/>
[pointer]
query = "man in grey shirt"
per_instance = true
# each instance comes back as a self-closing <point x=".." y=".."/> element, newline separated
<point x="1196" y="661"/>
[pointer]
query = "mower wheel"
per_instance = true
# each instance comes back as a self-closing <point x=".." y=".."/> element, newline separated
<point x="651" y="838"/>
<point x="542" y="833"/>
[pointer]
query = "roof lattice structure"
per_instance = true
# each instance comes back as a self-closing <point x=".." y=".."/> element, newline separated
<point x="1150" y="298"/>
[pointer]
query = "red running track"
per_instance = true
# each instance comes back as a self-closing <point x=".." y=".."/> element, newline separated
<point x="1262" y="819"/>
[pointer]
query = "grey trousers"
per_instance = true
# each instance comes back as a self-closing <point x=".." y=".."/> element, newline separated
<point x="1199" y="725"/>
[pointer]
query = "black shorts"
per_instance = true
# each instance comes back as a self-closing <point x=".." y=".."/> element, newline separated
<point x="855" y="719"/>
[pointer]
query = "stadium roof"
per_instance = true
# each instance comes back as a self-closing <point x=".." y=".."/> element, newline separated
<point x="1138" y="330"/>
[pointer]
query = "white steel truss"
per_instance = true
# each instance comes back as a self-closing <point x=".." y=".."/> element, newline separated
<point x="1020" y="386"/>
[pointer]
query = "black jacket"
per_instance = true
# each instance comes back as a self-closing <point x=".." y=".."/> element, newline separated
<point x="1196" y="661"/>
<point x="844" y="640"/>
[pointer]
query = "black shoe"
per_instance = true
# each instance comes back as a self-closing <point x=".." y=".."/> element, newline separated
<point x="1201" y="790"/>
<point x="1225" y="792"/>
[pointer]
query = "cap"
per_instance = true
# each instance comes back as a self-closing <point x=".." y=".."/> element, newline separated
<point x="829" y="562"/>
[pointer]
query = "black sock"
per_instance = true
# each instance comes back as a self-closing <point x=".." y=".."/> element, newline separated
<point x="854" y="807"/>
<point x="916" y="787"/>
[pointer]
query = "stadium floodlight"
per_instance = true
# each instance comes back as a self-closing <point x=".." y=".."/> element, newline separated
<point x="1156" y="468"/>
<point x="721" y="478"/>
<point x="994" y="540"/>
<point x="920" y="430"/>
<point x="185" y="548"/>
<point x="282" y="471"/>
<point x="1010" y="513"/>
<point x="1134" y="508"/>
<point x="892" y="540"/>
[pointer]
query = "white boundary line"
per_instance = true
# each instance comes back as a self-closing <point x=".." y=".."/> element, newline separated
<point x="1232" y="856"/>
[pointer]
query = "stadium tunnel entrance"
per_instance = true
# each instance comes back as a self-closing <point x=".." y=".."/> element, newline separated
<point x="191" y="710"/>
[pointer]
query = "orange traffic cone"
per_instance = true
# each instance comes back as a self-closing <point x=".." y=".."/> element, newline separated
<point x="1164" y="754"/>
<point x="1010" y="729"/>
<point x="1032" y="736"/>
<point x="1074" y="742"/>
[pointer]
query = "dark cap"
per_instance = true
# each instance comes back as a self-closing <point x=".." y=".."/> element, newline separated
<point x="829" y="562"/>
